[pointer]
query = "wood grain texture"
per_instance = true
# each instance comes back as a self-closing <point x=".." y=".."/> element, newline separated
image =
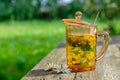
<point x="108" y="68"/>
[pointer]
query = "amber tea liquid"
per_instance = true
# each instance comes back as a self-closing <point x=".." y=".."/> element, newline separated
<point x="81" y="52"/>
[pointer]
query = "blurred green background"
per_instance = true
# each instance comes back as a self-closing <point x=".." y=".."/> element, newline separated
<point x="30" y="29"/>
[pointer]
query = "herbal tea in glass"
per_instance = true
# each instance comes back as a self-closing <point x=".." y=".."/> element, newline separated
<point x="81" y="39"/>
<point x="81" y="51"/>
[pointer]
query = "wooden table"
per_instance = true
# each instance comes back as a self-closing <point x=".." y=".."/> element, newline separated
<point x="108" y="68"/>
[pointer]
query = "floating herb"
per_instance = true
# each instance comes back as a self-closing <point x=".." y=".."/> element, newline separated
<point x="75" y="52"/>
<point x="86" y="47"/>
<point x="73" y="59"/>
<point x="85" y="63"/>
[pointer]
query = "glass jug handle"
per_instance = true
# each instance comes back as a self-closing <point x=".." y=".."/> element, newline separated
<point x="104" y="45"/>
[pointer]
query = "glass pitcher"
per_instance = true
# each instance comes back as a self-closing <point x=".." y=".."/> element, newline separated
<point x="81" y="39"/>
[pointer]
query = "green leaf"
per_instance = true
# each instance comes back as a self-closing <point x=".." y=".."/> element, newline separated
<point x="85" y="64"/>
<point x="86" y="47"/>
<point x="76" y="52"/>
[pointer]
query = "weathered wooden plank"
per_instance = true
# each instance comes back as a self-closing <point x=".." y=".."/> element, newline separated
<point x="107" y="68"/>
